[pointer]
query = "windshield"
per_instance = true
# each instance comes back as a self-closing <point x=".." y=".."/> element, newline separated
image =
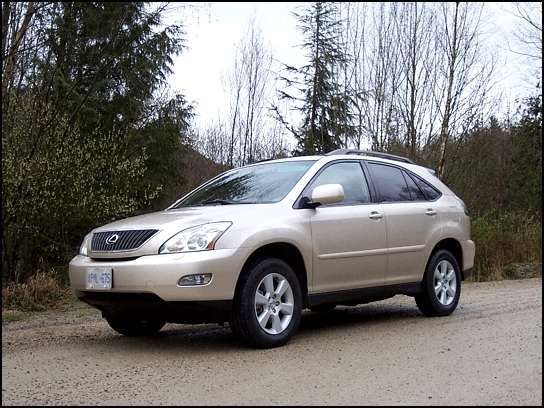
<point x="257" y="184"/>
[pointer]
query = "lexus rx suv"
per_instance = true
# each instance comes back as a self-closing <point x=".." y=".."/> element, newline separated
<point x="257" y="245"/>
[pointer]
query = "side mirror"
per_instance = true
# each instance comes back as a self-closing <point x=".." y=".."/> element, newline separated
<point x="326" y="194"/>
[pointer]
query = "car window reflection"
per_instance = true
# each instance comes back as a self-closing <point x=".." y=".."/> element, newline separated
<point x="262" y="183"/>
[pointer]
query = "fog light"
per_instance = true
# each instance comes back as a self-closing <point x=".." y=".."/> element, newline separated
<point x="194" y="280"/>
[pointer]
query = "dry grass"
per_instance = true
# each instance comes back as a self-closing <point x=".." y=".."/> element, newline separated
<point x="41" y="291"/>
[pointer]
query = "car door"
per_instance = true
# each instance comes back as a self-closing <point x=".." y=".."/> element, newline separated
<point x="412" y="220"/>
<point x="348" y="238"/>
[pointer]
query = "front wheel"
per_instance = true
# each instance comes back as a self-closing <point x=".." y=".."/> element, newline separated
<point x="267" y="304"/>
<point x="133" y="328"/>
<point x="441" y="285"/>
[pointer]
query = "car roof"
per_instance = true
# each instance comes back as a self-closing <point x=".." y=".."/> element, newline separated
<point x="350" y="152"/>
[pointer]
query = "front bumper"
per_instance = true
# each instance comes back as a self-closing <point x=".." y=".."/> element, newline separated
<point x="146" y="288"/>
<point x="159" y="275"/>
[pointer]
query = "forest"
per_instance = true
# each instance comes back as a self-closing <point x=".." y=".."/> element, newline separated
<point x="92" y="131"/>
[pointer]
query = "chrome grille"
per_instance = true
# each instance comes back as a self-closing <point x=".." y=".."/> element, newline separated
<point x="115" y="241"/>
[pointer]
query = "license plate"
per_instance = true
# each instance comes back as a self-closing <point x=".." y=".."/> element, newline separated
<point x="99" y="279"/>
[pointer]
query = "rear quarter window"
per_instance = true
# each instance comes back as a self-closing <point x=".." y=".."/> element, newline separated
<point x="431" y="192"/>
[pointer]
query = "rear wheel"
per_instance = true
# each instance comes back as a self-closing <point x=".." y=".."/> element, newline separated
<point x="267" y="304"/>
<point x="128" y="327"/>
<point x="441" y="285"/>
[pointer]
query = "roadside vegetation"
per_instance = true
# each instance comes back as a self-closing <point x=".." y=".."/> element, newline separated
<point x="505" y="243"/>
<point x="92" y="132"/>
<point x="41" y="292"/>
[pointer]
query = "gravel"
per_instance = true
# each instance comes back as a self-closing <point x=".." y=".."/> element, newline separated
<point x="488" y="352"/>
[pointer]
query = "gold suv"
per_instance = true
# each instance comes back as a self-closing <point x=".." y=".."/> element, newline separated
<point x="257" y="245"/>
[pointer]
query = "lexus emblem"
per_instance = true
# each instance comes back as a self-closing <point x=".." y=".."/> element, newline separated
<point x="112" y="239"/>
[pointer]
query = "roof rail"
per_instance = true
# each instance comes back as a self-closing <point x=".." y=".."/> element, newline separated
<point x="371" y="154"/>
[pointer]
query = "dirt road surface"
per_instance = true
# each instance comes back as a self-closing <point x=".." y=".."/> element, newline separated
<point x="488" y="352"/>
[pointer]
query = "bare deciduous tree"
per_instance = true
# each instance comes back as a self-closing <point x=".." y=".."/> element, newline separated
<point x="417" y="61"/>
<point x="466" y="74"/>
<point x="354" y="80"/>
<point x="528" y="38"/>
<point x="14" y="31"/>
<point x="253" y="135"/>
<point x="382" y="60"/>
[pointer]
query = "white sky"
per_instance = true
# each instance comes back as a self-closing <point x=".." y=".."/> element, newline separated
<point x="212" y="40"/>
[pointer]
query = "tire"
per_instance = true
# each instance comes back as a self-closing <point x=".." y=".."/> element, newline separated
<point x="325" y="307"/>
<point x="441" y="285"/>
<point x="267" y="305"/>
<point x="134" y="328"/>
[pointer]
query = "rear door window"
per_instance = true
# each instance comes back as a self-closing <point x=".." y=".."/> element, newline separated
<point x="389" y="182"/>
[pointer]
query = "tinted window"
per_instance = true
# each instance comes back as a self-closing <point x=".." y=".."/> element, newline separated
<point x="415" y="192"/>
<point x="389" y="182"/>
<point x="430" y="192"/>
<point x="350" y="176"/>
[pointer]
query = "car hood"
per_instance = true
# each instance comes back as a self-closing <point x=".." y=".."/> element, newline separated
<point x="178" y="218"/>
<point x="170" y="222"/>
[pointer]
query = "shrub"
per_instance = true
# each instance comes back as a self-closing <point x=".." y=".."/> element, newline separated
<point x="501" y="240"/>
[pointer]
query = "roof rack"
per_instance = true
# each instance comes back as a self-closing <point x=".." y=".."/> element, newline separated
<point x="371" y="154"/>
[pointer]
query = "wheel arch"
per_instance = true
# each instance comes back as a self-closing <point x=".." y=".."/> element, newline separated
<point x="286" y="252"/>
<point x="454" y="247"/>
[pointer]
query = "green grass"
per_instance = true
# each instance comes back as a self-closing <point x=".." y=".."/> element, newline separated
<point x="13" y="316"/>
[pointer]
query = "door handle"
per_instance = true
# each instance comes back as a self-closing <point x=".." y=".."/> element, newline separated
<point x="375" y="215"/>
<point x="431" y="212"/>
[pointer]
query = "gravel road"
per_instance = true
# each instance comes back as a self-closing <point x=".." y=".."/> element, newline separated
<point x="488" y="352"/>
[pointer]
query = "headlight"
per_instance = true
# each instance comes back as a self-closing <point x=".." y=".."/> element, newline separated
<point x="199" y="238"/>
<point x="85" y="245"/>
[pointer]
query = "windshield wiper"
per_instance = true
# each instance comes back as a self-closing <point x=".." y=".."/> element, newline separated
<point x="220" y="202"/>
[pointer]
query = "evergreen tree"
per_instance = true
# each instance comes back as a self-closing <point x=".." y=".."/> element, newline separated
<point x="525" y="179"/>
<point x="324" y="111"/>
<point x="90" y="130"/>
<point x="111" y="62"/>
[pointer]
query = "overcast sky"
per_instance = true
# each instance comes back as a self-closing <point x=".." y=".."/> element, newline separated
<point x="212" y="43"/>
<point x="212" y="40"/>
